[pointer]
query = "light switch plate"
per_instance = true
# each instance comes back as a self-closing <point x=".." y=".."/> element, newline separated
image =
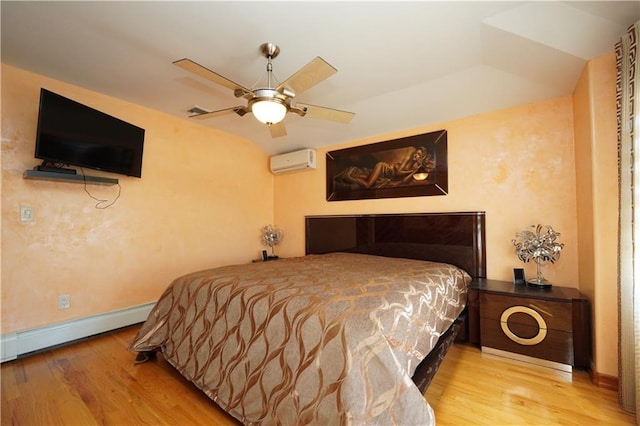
<point x="26" y="214"/>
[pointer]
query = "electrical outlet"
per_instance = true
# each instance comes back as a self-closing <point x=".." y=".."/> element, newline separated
<point x="64" y="301"/>
<point x="26" y="214"/>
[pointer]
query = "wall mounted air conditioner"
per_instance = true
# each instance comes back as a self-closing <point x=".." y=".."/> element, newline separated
<point x="304" y="159"/>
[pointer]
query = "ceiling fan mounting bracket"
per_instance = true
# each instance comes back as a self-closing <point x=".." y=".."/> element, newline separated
<point x="269" y="50"/>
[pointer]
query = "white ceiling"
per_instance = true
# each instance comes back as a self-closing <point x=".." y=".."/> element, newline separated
<point x="400" y="64"/>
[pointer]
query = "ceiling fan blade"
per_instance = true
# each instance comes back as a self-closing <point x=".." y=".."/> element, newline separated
<point x="308" y="76"/>
<point x="325" y="113"/>
<point x="240" y="110"/>
<point x="194" y="67"/>
<point x="278" y="130"/>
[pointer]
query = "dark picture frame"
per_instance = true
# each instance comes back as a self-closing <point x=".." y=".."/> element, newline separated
<point x="413" y="166"/>
<point x="519" y="277"/>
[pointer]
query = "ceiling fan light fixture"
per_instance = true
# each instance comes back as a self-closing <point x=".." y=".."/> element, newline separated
<point x="269" y="111"/>
<point x="270" y="101"/>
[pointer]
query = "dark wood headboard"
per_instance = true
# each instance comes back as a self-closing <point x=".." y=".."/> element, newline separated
<point x="455" y="238"/>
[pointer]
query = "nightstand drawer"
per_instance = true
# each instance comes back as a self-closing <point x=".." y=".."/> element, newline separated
<point x="535" y="313"/>
<point x="552" y="345"/>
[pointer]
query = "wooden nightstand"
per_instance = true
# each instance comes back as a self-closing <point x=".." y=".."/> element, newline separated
<point x="551" y="326"/>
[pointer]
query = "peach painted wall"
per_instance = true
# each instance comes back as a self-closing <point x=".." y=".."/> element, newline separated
<point x="597" y="197"/>
<point x="516" y="164"/>
<point x="194" y="208"/>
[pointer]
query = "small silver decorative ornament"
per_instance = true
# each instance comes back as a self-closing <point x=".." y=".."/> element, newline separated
<point x="271" y="237"/>
<point x="540" y="245"/>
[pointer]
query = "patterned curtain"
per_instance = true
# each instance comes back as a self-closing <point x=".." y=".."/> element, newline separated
<point x="628" y="115"/>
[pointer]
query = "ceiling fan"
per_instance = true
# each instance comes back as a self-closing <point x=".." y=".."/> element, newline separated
<point x="271" y="103"/>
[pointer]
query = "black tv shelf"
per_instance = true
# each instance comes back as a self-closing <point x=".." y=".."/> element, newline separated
<point x="66" y="177"/>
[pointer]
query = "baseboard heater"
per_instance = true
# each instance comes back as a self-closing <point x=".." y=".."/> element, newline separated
<point x="13" y="345"/>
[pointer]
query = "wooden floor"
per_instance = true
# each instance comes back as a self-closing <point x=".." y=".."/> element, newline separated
<point x="96" y="382"/>
<point x="474" y="388"/>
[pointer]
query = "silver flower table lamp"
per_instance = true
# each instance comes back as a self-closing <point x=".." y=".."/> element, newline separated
<point x="538" y="243"/>
<point x="271" y="237"/>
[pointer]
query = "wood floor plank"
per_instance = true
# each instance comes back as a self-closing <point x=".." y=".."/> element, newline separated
<point x="95" y="382"/>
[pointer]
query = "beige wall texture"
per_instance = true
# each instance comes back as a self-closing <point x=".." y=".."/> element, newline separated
<point x="515" y="164"/>
<point x="597" y="199"/>
<point x="202" y="201"/>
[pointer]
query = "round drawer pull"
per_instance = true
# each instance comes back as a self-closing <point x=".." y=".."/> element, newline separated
<point x="542" y="331"/>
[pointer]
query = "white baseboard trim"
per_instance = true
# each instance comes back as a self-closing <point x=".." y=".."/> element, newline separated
<point x="19" y="343"/>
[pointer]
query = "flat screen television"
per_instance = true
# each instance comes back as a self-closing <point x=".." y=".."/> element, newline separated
<point x="70" y="133"/>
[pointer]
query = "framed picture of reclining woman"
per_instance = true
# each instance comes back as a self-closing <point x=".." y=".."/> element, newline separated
<point x="413" y="166"/>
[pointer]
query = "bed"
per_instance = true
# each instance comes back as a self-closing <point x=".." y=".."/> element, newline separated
<point x="350" y="333"/>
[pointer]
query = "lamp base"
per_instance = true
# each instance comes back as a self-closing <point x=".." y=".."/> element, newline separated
<point x="539" y="283"/>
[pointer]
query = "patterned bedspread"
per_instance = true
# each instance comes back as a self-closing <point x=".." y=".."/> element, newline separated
<point x="321" y="339"/>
